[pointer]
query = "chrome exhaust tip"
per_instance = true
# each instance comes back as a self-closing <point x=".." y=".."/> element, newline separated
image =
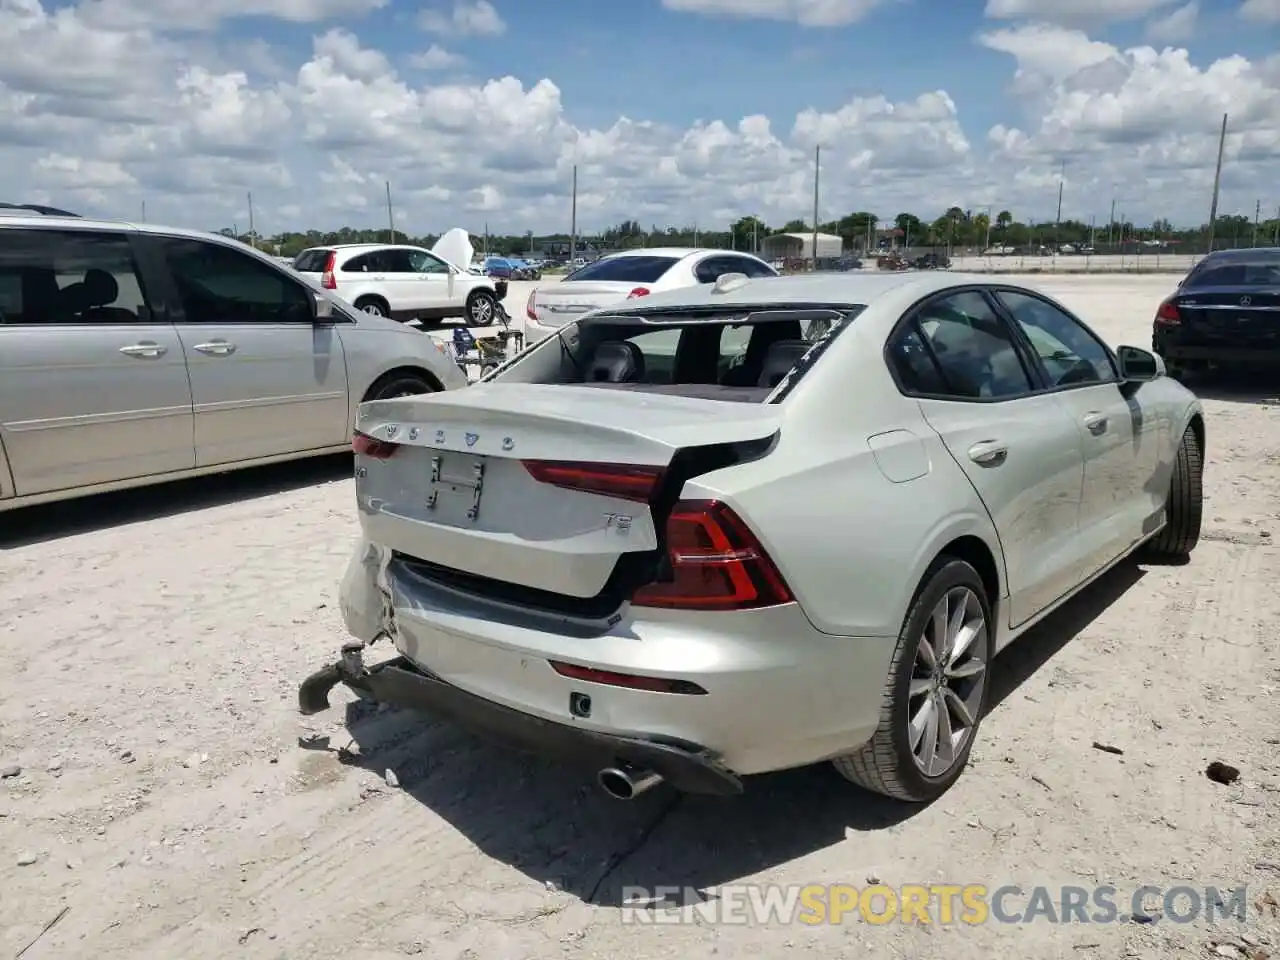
<point x="627" y="783"/>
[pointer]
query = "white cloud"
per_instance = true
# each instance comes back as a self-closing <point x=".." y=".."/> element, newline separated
<point x="436" y="57"/>
<point x="1261" y="11"/>
<point x="1074" y="12"/>
<point x="207" y="14"/>
<point x="807" y="13"/>
<point x="101" y="117"/>
<point x="467" y="18"/>
<point x="1178" y="26"/>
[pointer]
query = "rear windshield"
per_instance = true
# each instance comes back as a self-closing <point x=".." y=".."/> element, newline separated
<point x="1262" y="271"/>
<point x="741" y="356"/>
<point x="638" y="269"/>
<point x="312" y="261"/>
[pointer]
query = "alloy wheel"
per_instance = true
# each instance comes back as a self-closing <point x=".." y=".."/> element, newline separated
<point x="948" y="682"/>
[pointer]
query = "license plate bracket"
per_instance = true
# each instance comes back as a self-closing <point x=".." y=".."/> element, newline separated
<point x="471" y="482"/>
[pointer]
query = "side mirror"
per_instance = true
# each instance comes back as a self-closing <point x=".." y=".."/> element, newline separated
<point x="1138" y="365"/>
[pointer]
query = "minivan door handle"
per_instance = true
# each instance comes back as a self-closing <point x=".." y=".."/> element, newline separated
<point x="988" y="453"/>
<point x="146" y="349"/>
<point x="1096" y="423"/>
<point x="217" y="348"/>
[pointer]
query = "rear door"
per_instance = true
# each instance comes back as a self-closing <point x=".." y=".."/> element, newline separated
<point x="1121" y="440"/>
<point x="93" y="387"/>
<point x="265" y="379"/>
<point x="1019" y="449"/>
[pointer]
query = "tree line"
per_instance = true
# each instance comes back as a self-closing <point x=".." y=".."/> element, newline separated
<point x="861" y="231"/>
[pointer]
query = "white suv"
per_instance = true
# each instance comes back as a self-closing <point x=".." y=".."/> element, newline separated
<point x="402" y="282"/>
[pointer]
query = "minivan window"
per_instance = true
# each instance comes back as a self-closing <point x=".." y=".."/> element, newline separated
<point x="69" y="277"/>
<point x="637" y="269"/>
<point x="217" y="284"/>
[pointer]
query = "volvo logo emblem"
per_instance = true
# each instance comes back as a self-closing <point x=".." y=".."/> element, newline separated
<point x="471" y="439"/>
<point x="1246" y="301"/>
<point x="508" y="443"/>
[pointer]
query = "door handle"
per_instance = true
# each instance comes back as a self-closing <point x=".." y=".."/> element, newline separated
<point x="217" y="348"/>
<point x="1096" y="423"/>
<point x="145" y="349"/>
<point x="989" y="453"/>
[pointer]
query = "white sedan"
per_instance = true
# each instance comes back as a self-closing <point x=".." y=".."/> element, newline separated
<point x="627" y="276"/>
<point x="760" y="552"/>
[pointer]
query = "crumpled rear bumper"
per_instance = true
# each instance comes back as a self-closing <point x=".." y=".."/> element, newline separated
<point x="687" y="767"/>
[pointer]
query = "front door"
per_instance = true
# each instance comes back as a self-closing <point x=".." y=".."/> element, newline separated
<point x="266" y="380"/>
<point x="1121" y="446"/>
<point x="434" y="281"/>
<point x="1019" y="449"/>
<point x="93" y="386"/>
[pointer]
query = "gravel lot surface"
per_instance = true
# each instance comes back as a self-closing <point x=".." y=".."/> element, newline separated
<point x="162" y="798"/>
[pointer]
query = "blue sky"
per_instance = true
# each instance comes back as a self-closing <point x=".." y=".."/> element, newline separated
<point x="313" y="104"/>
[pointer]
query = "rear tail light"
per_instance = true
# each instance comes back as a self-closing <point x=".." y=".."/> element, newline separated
<point x="1167" y="315"/>
<point x="638" y="292"/>
<point x="717" y="563"/>
<point x="622" y="480"/>
<point x="629" y="680"/>
<point x="372" y="447"/>
<point x="328" y="280"/>
<point x="528" y="307"/>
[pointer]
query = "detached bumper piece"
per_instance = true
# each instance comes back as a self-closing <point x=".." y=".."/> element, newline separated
<point x="687" y="767"/>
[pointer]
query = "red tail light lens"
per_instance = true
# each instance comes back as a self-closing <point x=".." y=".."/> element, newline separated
<point x="528" y="307"/>
<point x="1168" y="315"/>
<point x="622" y="480"/>
<point x="367" y="446"/>
<point x="638" y="292"/>
<point x="716" y="563"/>
<point x="329" y="280"/>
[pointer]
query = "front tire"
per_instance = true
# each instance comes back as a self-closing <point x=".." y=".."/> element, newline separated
<point x="481" y="308"/>
<point x="1184" y="506"/>
<point x="374" y="306"/>
<point x="936" y="691"/>
<point x="400" y="384"/>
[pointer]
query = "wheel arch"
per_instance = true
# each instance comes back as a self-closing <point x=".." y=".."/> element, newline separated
<point x="400" y="371"/>
<point x="974" y="551"/>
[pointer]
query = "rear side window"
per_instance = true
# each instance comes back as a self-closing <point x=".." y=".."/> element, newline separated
<point x="1262" y="272"/>
<point x="312" y="261"/>
<point x="68" y="277"/>
<point x="637" y="269"/>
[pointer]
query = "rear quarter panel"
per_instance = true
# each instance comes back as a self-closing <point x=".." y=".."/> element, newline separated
<point x="854" y="530"/>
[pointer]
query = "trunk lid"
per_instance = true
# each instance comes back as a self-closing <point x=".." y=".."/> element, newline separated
<point x="1237" y="316"/>
<point x="455" y="491"/>
<point x="557" y="304"/>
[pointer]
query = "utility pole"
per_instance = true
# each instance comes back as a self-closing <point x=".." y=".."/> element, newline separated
<point x="1062" y="177"/>
<point x="1217" y="184"/>
<point x="1257" y="215"/>
<point x="1111" y="224"/>
<point x="817" y="162"/>
<point x="573" y="219"/>
<point x="755" y="236"/>
<point x="391" y="220"/>
<point x="253" y="240"/>
<point x="144" y="211"/>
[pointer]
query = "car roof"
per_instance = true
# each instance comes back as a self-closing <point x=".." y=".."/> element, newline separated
<point x="677" y="252"/>
<point x="838" y="288"/>
<point x="1247" y="253"/>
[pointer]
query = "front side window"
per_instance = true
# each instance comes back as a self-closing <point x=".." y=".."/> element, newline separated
<point x="1069" y="353"/>
<point x="217" y="284"/>
<point x="959" y="343"/>
<point x="420" y="261"/>
<point x="69" y="277"/>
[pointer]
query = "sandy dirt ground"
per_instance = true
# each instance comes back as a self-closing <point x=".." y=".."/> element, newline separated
<point x="162" y="798"/>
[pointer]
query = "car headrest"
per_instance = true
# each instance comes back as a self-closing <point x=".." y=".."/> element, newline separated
<point x="100" y="287"/>
<point x="615" y="361"/>
<point x="782" y="356"/>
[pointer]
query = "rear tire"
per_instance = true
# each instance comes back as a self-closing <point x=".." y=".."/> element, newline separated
<point x="1184" y="507"/>
<point x="889" y="763"/>
<point x="400" y="384"/>
<point x="374" y="306"/>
